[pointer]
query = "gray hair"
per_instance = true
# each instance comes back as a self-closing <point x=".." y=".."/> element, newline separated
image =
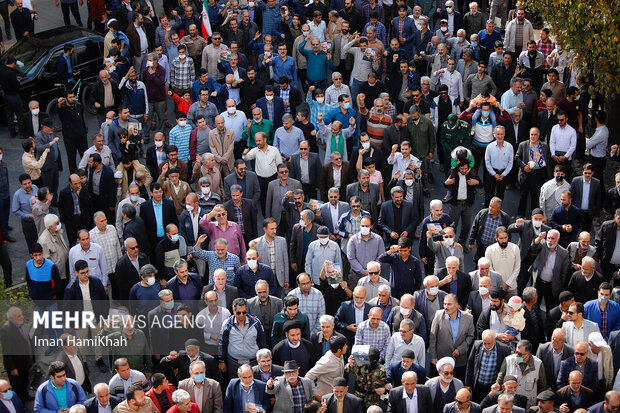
<point x="333" y="190"/>
<point x="496" y="200"/>
<point x="515" y="80"/>
<point x="178" y="264"/>
<point x="461" y="31"/>
<point x="257" y="109"/>
<point x="505" y="398"/>
<point x="484" y="261"/>
<point x="429" y="278"/>
<point x="473" y="3"/>
<point x="77" y="408"/>
<point x="179" y="396"/>
<point x="127" y="240"/>
<point x="100" y="386"/>
<point x="235" y="188"/>
<point x="529" y="293"/>
<point x="197" y="363"/>
<point x="474" y="36"/>
<point x="307" y="214"/>
<point x="204" y="180"/>
<point x="435" y="203"/>
<point x="407" y="322"/>
<point x="397" y="189"/>
<point x="424" y="79"/>
<point x="326" y="318"/>
<point x="414" y="109"/>
<point x="384" y="288"/>
<point x="153" y="56"/>
<point x="221" y="241"/>
<point x="98" y="214"/>
<point x="380" y="100"/>
<point x="263" y="352"/>
<point x="499" y="127"/>
<point x="374" y="409"/>
<point x="164" y="293"/>
<point x="261" y="281"/>
<point x="148" y="269"/>
<point x="489" y="333"/>
<point x="554" y="232"/>
<point x="384" y="95"/>
<point x="207" y="156"/>
<point x="589" y="260"/>
<point x="335" y="74"/>
<point x="452" y="258"/>
<point x="287" y="117"/>
<point x="363" y="172"/>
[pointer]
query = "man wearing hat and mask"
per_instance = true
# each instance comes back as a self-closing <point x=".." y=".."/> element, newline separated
<point x="294" y="347"/>
<point x="340" y="400"/>
<point x="545" y="401"/>
<point x="408" y="362"/>
<point x="291" y="391"/>
<point x="510" y="387"/>
<point x="444" y="387"/>
<point x="44" y="139"/>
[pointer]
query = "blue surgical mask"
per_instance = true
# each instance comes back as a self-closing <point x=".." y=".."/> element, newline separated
<point x="169" y="305"/>
<point x="134" y="198"/>
<point x="486" y="113"/>
<point x="174" y="238"/>
<point x="8" y="395"/>
<point x="347" y="105"/>
<point x="199" y="378"/>
<point x="474" y="44"/>
<point x="519" y="359"/>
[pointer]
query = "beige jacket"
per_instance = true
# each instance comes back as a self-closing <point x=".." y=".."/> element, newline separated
<point x="55" y="249"/>
<point x="178" y="197"/>
<point x="31" y="166"/>
<point x="226" y="152"/>
<point x="125" y="181"/>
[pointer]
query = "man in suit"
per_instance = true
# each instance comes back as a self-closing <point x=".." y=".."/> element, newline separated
<point x="17" y="352"/>
<point x="481" y="370"/>
<point x="248" y="181"/>
<point x="449" y="13"/>
<point x="347" y="175"/>
<point x="575" y="395"/>
<point x="242" y="211"/>
<point x="360" y="188"/>
<point x="211" y="390"/>
<point x="152" y="158"/>
<point x="280" y="261"/>
<point x="481" y="298"/>
<point x="390" y="210"/>
<point x="282" y="388"/>
<point x="265" y="368"/>
<point x="44" y="139"/>
<point x="275" y="103"/>
<point x="298" y="247"/>
<point x="534" y="330"/>
<point x="407" y="362"/>
<point x="527" y="231"/>
<point x="516" y="129"/>
<point x="159" y="337"/>
<point x="155" y="226"/>
<point x="101" y="400"/>
<point x="442" y="344"/>
<point x="505" y="404"/>
<point x="581" y="362"/>
<point x="591" y="205"/>
<point x="532" y="171"/>
<point x="550" y="280"/>
<point x="347" y="318"/>
<point x="219" y="285"/>
<point x="233" y="401"/>
<point x="75" y="215"/>
<point x="462" y="403"/>
<point x="404" y="29"/>
<point x="135" y="228"/>
<point x="222" y="145"/>
<point x="547" y="118"/>
<point x="182" y="361"/>
<point x="606" y="242"/>
<point x="101" y="186"/>
<point x="558" y="314"/>
<point x="310" y="175"/>
<point x="331" y="212"/>
<point x="76" y="367"/>
<point x="403" y="399"/>
<point x="31" y="120"/>
<point x="340" y="400"/>
<point x="552" y="354"/>
<point x="273" y="206"/>
<point x="425" y="299"/>
<point x="449" y="275"/>
<point x="613" y="197"/>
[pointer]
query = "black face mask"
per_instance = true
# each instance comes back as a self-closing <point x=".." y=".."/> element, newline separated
<point x="559" y="178"/>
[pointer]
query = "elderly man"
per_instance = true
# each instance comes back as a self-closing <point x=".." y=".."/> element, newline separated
<point x="373" y="281"/>
<point x="183" y="402"/>
<point x="574" y="396"/>
<point x="505" y="404"/>
<point x="480" y="299"/>
<point x="265" y="368"/>
<point x="581" y="362"/>
<point x="509" y="387"/>
<point x="363" y="247"/>
<point x="311" y="301"/>
<point x="406" y="310"/>
<point x="319" y="251"/>
<point x="211" y="318"/>
<point x="552" y="354"/>
<point x="340" y="399"/>
<point x="409" y="396"/>
<point x="577" y="250"/>
<point x="585" y="282"/>
<point x="373" y="332"/>
<point x="244" y="390"/>
<point x="528" y="370"/>
<point x="485" y="223"/>
<point x="454" y="338"/>
<point x="397" y="368"/>
<point x="444" y="248"/>
<point x="454" y="281"/>
<point x="101" y="401"/>
<point x="403" y="339"/>
<point x="483" y="364"/>
<point x="385" y="302"/>
<point x="222" y="144"/>
<point x="444" y="386"/>
<point x="550" y="267"/>
<point x="291" y="390"/>
<point x="247" y="275"/>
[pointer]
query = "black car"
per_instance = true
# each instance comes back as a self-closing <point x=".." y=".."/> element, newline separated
<point x="36" y="62"/>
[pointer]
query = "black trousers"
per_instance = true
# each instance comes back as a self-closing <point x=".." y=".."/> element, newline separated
<point x="477" y="152"/>
<point x="263" y="183"/>
<point x="493" y="187"/>
<point x="545" y="290"/>
<point x="7" y="266"/>
<point x="13" y="106"/>
<point x="310" y="192"/>
<point x="74" y="146"/>
<point x="75" y="10"/>
<point x="19" y="383"/>
<point x="479" y="392"/>
<point x="530" y="188"/>
<point x="30" y="232"/>
<point x="50" y="180"/>
<point x="599" y="166"/>
<point x="4" y="12"/>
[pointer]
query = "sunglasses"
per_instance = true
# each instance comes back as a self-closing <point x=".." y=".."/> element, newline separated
<point x="373" y="272"/>
<point x="577" y="353"/>
<point x="570" y="312"/>
<point x="241" y="312"/>
<point x="303" y="149"/>
<point x="448" y="373"/>
<point x="132" y="248"/>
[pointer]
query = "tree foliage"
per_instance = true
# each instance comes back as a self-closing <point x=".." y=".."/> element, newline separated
<point x="591" y="30"/>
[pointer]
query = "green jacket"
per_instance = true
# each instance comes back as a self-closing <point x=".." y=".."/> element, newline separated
<point x="459" y="136"/>
<point x="367" y="381"/>
<point x="136" y="351"/>
<point x="265" y="126"/>
<point x="422" y="137"/>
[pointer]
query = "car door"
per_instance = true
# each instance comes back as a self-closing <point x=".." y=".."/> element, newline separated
<point x="87" y="59"/>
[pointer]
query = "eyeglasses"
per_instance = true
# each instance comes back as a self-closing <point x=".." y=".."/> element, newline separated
<point x="448" y="373"/>
<point x="577" y="353"/>
<point x="337" y="78"/>
<point x="241" y="312"/>
<point x="303" y="149"/>
<point x="284" y="172"/>
<point x="220" y="215"/>
<point x="356" y="206"/>
<point x="217" y="38"/>
<point x="404" y="331"/>
<point x="443" y="93"/>
<point x="337" y="159"/>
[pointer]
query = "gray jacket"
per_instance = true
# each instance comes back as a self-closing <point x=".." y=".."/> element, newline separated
<point x="273" y="206"/>
<point x="440" y="343"/>
<point x="282" y="261"/>
<point x="284" y="395"/>
<point x="254" y="307"/>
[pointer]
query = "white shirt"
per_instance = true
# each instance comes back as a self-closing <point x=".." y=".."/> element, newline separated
<point x="563" y="140"/>
<point x="9" y="405"/>
<point x="411" y="403"/>
<point x="585" y="197"/>
<point x="195" y="220"/>
<point x="78" y="368"/>
<point x="337" y="175"/>
<point x="461" y="192"/>
<point x="88" y="305"/>
<point x="334" y="212"/>
<point x="454" y="81"/>
<point x="267" y="161"/>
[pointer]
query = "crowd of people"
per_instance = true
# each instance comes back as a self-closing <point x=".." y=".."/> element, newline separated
<point x="325" y="121"/>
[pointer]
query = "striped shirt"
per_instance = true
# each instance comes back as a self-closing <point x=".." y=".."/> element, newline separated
<point x="376" y="126"/>
<point x="179" y="137"/>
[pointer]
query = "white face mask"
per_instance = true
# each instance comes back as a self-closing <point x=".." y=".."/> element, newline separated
<point x="483" y="290"/>
<point x="250" y="4"/>
<point x="449" y="9"/>
<point x="537" y="223"/>
<point x="231" y="110"/>
<point x="190" y="208"/>
<point x="182" y="56"/>
<point x="252" y="264"/>
<point x="408" y="182"/>
<point x="150" y="280"/>
<point x="448" y="241"/>
<point x="206" y="190"/>
<point x="149" y="63"/>
<point x="365" y="145"/>
<point x="320" y="100"/>
<point x="324" y="240"/>
<point x="182" y="123"/>
<point x="433" y="290"/>
<point x="0" y="157"/>
<point x="109" y="122"/>
<point x="302" y="223"/>
<point x="364" y="230"/>
<point x="405" y="311"/>
<point x="35" y="112"/>
<point x="159" y="144"/>
<point x="58" y="226"/>
<point x="269" y="98"/>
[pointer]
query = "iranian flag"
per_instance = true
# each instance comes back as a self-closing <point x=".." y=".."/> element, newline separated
<point x="206" y="24"/>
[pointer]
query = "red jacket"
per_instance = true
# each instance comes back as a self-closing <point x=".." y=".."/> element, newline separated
<point x="96" y="9"/>
<point x="175" y="409"/>
<point x="169" y="391"/>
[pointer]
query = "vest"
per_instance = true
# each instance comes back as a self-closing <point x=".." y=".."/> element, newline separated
<point x="441" y="398"/>
<point x="528" y="381"/>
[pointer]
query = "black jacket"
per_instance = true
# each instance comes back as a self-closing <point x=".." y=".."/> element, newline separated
<point x="126" y="276"/>
<point x="92" y="404"/>
<point x="463" y="285"/>
<point x="182" y="362"/>
<point x="73" y="300"/>
<point x="151" y="161"/>
<point x="249" y="217"/>
<point x="107" y="187"/>
<point x="99" y="94"/>
<point x="147" y="214"/>
<point x="65" y="209"/>
<point x="475" y="359"/>
<point x="136" y="229"/>
<point x="606" y="241"/>
<point x="477" y="228"/>
<point x="26" y="124"/>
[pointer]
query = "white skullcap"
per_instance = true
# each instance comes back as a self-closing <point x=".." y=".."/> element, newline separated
<point x="597" y="339"/>
<point x="49" y="220"/>
<point x="446" y="360"/>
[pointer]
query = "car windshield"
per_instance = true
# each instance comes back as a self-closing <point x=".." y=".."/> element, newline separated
<point x="27" y="53"/>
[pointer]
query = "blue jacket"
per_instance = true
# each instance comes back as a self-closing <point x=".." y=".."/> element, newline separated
<point x="410" y="32"/>
<point x="233" y="402"/>
<point x="278" y="110"/>
<point x="211" y="84"/>
<point x="396" y="370"/>
<point x="590" y="373"/>
<point x="135" y="97"/>
<point x="226" y="69"/>
<point x="245" y="279"/>
<point x="45" y="399"/>
<point x="174" y="284"/>
<point x="63" y="73"/>
<point x="17" y="403"/>
<point x="592" y="312"/>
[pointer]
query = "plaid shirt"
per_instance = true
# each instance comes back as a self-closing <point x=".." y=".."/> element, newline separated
<point x="381" y="34"/>
<point x="603" y="323"/>
<point x="239" y="218"/>
<point x="490" y="225"/>
<point x="110" y="244"/>
<point x="488" y="367"/>
<point x="313" y="305"/>
<point x="545" y="48"/>
<point x="299" y="397"/>
<point x="230" y="264"/>
<point x="366" y="12"/>
<point x="182" y="74"/>
<point x="378" y="338"/>
<point x="285" y="95"/>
